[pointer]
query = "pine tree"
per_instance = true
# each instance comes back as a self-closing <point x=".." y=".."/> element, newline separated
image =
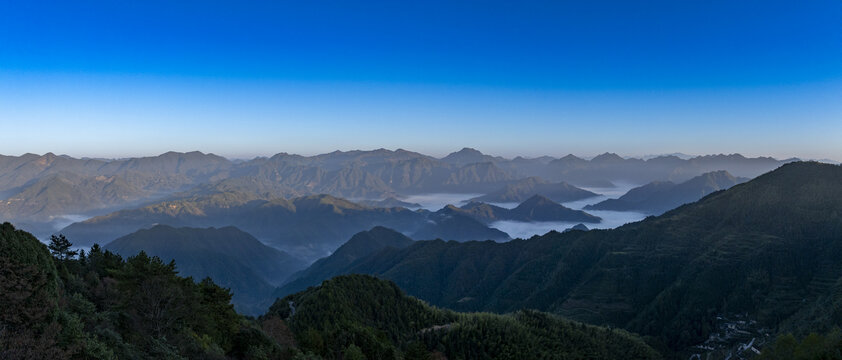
<point x="60" y="247"/>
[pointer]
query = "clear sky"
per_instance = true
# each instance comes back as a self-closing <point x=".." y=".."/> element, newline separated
<point x="243" y="78"/>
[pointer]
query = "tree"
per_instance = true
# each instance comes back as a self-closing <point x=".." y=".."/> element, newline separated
<point x="60" y="247"/>
<point x="417" y="351"/>
<point x="353" y="352"/>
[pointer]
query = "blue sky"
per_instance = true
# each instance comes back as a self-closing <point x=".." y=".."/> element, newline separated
<point x="240" y="78"/>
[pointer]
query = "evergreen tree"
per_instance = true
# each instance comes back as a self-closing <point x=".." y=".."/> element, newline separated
<point x="60" y="247"/>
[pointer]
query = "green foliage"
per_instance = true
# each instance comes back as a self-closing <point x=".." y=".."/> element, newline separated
<point x="100" y="306"/>
<point x="232" y="258"/>
<point x="358" y="315"/>
<point x="417" y="350"/>
<point x="533" y="335"/>
<point x="359" y="246"/>
<point x="353" y="352"/>
<point x="29" y="298"/>
<point x="23" y="248"/>
<point x="812" y="347"/>
<point x="60" y="247"/>
<point x="374" y="315"/>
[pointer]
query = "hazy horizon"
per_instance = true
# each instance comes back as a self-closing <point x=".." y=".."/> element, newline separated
<point x="435" y="155"/>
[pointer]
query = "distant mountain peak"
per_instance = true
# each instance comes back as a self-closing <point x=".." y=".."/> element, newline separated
<point x="734" y="156"/>
<point x="719" y="178"/>
<point x="375" y="239"/>
<point x="382" y="229"/>
<point x="469" y="151"/>
<point x="325" y="200"/>
<point x="540" y="208"/>
<point x="537" y="200"/>
<point x="579" y="227"/>
<point x="659" y="196"/>
<point x="46" y="159"/>
<point x="450" y="208"/>
<point x="718" y="173"/>
<point x="523" y="189"/>
<point x="569" y="160"/>
<point x="466" y="156"/>
<point x="170" y="154"/>
<point x="190" y="154"/>
<point x="607" y="157"/>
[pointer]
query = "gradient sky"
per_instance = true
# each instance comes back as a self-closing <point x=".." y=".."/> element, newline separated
<point x="243" y="78"/>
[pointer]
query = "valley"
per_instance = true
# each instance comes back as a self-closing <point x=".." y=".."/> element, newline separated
<point x="208" y="190"/>
<point x="739" y="254"/>
<point x="420" y="180"/>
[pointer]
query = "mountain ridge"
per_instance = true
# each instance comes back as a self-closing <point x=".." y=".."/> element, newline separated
<point x="768" y="248"/>
<point x="229" y="256"/>
<point x="307" y="227"/>
<point x="526" y="188"/>
<point x="535" y="208"/>
<point x="658" y="197"/>
<point x="374" y="174"/>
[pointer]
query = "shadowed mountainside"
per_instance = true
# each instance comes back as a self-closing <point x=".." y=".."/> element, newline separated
<point x="307" y="227"/>
<point x="382" y="323"/>
<point x="769" y="248"/>
<point x="536" y="208"/>
<point x="529" y="187"/>
<point x="658" y="197"/>
<point x="359" y="246"/>
<point x="232" y="258"/>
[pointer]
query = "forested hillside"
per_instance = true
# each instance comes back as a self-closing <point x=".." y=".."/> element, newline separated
<point x="97" y="305"/>
<point x="100" y="306"/>
<point x="231" y="257"/>
<point x="660" y="196"/>
<point x="358" y="247"/>
<point x="350" y="316"/>
<point x="769" y="248"/>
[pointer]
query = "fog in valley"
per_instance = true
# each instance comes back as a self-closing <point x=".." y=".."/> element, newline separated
<point x="525" y="230"/>
<point x="435" y="202"/>
<point x="610" y="219"/>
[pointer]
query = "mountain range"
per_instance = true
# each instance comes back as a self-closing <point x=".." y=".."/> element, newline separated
<point x="766" y="251"/>
<point x="44" y="191"/>
<point x="535" y="208"/>
<point x="388" y="203"/>
<point x="306" y="227"/>
<point x="722" y="275"/>
<point x="310" y="227"/>
<point x="531" y="186"/>
<point x="660" y="196"/>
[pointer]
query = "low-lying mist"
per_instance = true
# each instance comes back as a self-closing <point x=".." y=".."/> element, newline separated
<point x="610" y="219"/>
<point x="435" y="202"/>
<point x="63" y="221"/>
<point x="525" y="230"/>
